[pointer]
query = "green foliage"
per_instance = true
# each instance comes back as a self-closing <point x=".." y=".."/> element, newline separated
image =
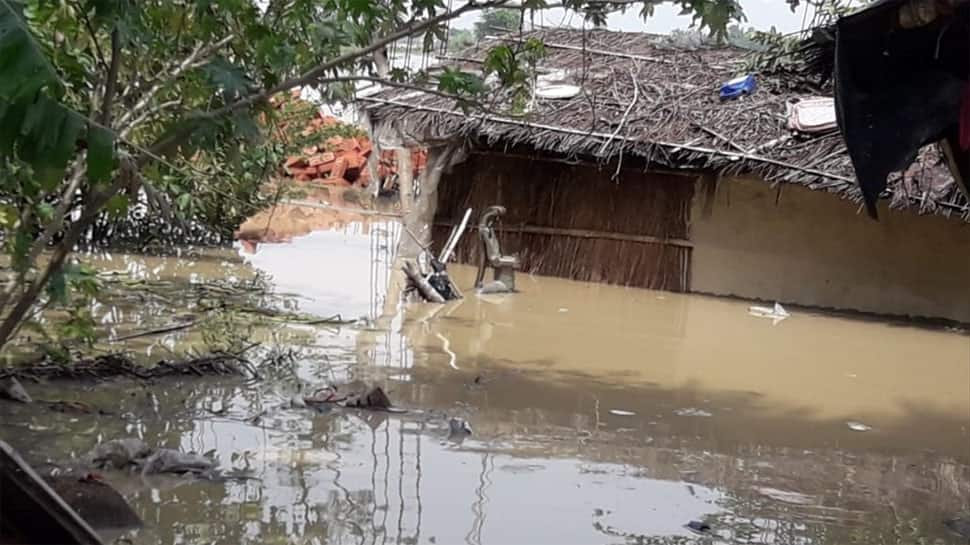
<point x="100" y="154"/>
<point x="460" y="39"/>
<point x="497" y="21"/>
<point x="515" y="67"/>
<point x="227" y="330"/>
<point x="460" y="84"/>
<point x="775" y="52"/>
<point x="73" y="288"/>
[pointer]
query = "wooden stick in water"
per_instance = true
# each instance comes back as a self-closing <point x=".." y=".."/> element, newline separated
<point x="423" y="286"/>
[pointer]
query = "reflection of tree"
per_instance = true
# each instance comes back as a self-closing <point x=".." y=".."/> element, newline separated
<point x="474" y="536"/>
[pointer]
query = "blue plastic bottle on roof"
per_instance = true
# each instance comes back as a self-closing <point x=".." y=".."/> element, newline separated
<point x="744" y="85"/>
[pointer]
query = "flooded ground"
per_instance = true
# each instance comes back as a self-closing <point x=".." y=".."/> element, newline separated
<point x="600" y="415"/>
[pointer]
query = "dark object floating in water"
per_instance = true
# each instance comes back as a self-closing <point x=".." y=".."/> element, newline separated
<point x="133" y="452"/>
<point x="699" y="527"/>
<point x="959" y="526"/>
<point x="11" y="389"/>
<point x="458" y="428"/>
<point x="119" y="453"/>
<point x="374" y="399"/>
<point x="33" y="513"/>
<point x="166" y="460"/>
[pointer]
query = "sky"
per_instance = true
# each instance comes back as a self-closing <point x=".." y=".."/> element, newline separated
<point x="762" y="15"/>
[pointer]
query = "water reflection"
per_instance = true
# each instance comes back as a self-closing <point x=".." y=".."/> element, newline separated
<point x="601" y="415"/>
<point x="343" y="271"/>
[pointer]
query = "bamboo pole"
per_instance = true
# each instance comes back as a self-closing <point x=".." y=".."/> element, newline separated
<point x="585" y="233"/>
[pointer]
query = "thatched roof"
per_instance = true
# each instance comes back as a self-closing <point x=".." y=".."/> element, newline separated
<point x="644" y="98"/>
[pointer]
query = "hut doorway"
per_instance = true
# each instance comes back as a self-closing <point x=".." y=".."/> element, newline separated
<point x="576" y="220"/>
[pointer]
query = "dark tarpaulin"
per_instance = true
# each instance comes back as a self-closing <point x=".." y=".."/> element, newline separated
<point x="898" y="89"/>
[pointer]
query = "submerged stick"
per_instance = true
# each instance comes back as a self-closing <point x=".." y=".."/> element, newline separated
<point x="153" y="332"/>
<point x="423" y="286"/>
<point x="454" y="238"/>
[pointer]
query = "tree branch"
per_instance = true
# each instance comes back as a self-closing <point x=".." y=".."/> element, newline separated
<point x="195" y="59"/>
<point x="92" y="208"/>
<point x="111" y="83"/>
<point x="134" y="123"/>
<point x="94" y="35"/>
<point x="317" y="72"/>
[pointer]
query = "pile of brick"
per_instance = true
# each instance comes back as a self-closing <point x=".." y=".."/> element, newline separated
<point x="342" y="161"/>
<point x="338" y="160"/>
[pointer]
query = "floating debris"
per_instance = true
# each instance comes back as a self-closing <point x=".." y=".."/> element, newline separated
<point x="168" y="460"/>
<point x="777" y="313"/>
<point x="858" y="426"/>
<point x="10" y="388"/>
<point x="690" y="411"/>
<point x="374" y="399"/>
<point x="620" y="412"/>
<point x="119" y="453"/>
<point x="458" y="428"/>
<point x="698" y="526"/>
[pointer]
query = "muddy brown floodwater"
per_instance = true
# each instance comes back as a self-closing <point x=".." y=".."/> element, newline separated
<point x="600" y="415"/>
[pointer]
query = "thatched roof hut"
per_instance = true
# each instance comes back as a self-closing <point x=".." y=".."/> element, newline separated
<point x="648" y="102"/>
<point x="634" y="172"/>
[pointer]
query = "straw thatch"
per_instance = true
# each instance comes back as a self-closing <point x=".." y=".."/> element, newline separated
<point x="574" y="221"/>
<point x="649" y="103"/>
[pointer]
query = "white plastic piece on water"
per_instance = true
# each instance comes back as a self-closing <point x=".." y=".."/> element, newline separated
<point x="858" y="426"/>
<point x="564" y="309"/>
<point x="776" y="313"/>
<point x="691" y="411"/>
<point x="620" y="412"/>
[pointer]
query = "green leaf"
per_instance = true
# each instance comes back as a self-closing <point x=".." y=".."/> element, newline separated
<point x="8" y="217"/>
<point x="11" y="119"/>
<point x="57" y="287"/>
<point x="24" y="69"/>
<point x="117" y="206"/>
<point x="45" y="211"/>
<point x="56" y="146"/>
<point x="245" y="127"/>
<point x="184" y="202"/>
<point x="46" y="138"/>
<point x="82" y="279"/>
<point x="228" y="78"/>
<point x="461" y="84"/>
<point x="79" y="327"/>
<point x="100" y="154"/>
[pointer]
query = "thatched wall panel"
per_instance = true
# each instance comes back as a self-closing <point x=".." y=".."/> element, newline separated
<point x="550" y="194"/>
<point x="554" y="195"/>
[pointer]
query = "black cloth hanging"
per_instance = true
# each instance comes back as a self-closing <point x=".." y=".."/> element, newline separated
<point x="898" y="89"/>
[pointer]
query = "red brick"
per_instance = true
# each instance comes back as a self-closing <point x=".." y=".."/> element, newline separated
<point x="295" y="161"/>
<point x="339" y="168"/>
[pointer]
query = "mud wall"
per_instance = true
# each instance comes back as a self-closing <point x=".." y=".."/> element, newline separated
<point x="811" y="248"/>
<point x="574" y="221"/>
